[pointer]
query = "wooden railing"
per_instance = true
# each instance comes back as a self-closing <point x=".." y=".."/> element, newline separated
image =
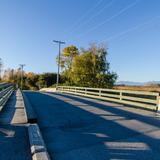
<point x="150" y="100"/>
<point x="4" y="95"/>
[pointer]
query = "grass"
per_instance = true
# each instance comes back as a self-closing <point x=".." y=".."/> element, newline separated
<point x="149" y="88"/>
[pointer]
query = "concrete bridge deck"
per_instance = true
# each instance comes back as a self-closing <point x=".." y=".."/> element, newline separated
<point x="76" y="128"/>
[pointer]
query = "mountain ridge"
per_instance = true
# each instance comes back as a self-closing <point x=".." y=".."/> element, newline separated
<point x="132" y="83"/>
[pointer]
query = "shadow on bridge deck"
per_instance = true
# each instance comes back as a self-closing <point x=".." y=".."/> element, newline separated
<point x="14" y="141"/>
<point x="82" y="128"/>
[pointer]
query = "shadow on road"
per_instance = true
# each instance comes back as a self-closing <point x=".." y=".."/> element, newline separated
<point x="76" y="128"/>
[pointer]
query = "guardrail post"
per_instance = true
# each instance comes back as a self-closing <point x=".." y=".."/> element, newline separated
<point x="120" y="94"/>
<point x="85" y="91"/>
<point x="100" y="92"/>
<point x="158" y="104"/>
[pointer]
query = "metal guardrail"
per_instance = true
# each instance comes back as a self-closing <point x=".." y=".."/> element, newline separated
<point x="4" y="91"/>
<point x="4" y="85"/>
<point x="4" y="96"/>
<point x="150" y="100"/>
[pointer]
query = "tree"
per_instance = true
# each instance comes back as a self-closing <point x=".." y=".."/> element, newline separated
<point x="47" y="79"/>
<point x="66" y="61"/>
<point x="31" y="81"/>
<point x="69" y="53"/>
<point x="90" y="68"/>
<point x="12" y="76"/>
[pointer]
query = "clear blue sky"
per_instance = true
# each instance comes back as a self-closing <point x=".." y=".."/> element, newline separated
<point x="130" y="28"/>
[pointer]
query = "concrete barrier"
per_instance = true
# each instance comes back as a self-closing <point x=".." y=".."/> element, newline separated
<point x="48" y="89"/>
<point x="21" y="116"/>
<point x="38" y="148"/>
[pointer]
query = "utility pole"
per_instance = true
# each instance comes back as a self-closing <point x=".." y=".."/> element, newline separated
<point x="22" y="66"/>
<point x="59" y="44"/>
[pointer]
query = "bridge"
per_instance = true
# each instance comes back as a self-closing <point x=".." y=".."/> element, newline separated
<point x="77" y="123"/>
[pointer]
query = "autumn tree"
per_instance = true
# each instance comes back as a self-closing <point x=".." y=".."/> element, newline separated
<point x="90" y="68"/>
<point x="31" y="80"/>
<point x="66" y="61"/>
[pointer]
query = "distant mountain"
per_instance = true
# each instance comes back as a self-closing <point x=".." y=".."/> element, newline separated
<point x="130" y="83"/>
<point x="152" y="82"/>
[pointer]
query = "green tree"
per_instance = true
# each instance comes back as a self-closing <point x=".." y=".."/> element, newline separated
<point x="66" y="61"/>
<point x="69" y="53"/>
<point x="31" y="80"/>
<point x="46" y="80"/>
<point x="91" y="68"/>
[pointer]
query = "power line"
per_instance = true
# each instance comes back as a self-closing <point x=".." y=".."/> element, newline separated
<point x="94" y="15"/>
<point x="132" y="29"/>
<point x="109" y="19"/>
<point x="59" y="44"/>
<point x="83" y="16"/>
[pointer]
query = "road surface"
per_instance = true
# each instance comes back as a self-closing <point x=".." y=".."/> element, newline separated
<point x="76" y="128"/>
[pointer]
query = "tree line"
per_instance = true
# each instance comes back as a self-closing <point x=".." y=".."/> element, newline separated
<point x="30" y="80"/>
<point x="85" y="68"/>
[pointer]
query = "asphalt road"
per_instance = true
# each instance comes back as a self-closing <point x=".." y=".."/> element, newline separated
<point x="76" y="128"/>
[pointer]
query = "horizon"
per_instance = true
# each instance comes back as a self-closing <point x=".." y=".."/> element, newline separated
<point x="29" y="27"/>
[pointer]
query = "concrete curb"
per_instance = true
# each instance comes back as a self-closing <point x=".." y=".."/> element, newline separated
<point x="20" y="103"/>
<point x="38" y="148"/>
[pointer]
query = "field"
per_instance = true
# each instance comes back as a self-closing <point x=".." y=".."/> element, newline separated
<point x="151" y="88"/>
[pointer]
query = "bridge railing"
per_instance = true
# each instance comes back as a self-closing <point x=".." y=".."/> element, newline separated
<point x="150" y="100"/>
<point x="5" y="93"/>
<point x="4" y="85"/>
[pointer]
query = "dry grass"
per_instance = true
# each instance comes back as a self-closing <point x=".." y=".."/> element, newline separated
<point x="153" y="88"/>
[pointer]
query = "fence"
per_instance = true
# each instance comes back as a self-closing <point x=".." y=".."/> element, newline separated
<point x="4" y="85"/>
<point x="150" y="100"/>
<point x="4" y="96"/>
